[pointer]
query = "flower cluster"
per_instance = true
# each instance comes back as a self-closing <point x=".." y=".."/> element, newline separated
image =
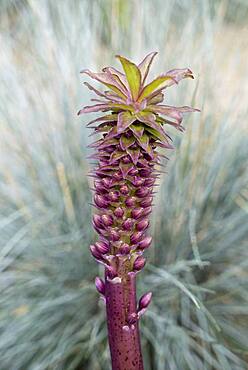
<point x="127" y="157"/>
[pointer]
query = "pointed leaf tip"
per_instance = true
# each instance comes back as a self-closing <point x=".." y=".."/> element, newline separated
<point x="125" y="119"/>
<point x="145" y="65"/>
<point x="133" y="76"/>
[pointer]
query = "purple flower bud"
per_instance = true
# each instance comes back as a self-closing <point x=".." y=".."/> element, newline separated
<point x="100" y="189"/>
<point x="124" y="248"/>
<point x="142" y="225"/>
<point x="147" y="211"/>
<point x="124" y="189"/>
<point x="100" y="201"/>
<point x="107" y="220"/>
<point x="145" y="243"/>
<point x="113" y="196"/>
<point x="145" y="172"/>
<point x="109" y="149"/>
<point x="138" y="181"/>
<point x="137" y="213"/>
<point x="97" y="221"/>
<point x="142" y="192"/>
<point x="139" y="263"/>
<point x="95" y="252"/>
<point x="118" y="175"/>
<point x="146" y="202"/>
<point x="102" y="247"/>
<point x="149" y="182"/>
<point x="100" y="285"/>
<point x="119" y="212"/>
<point x="136" y="237"/>
<point x="133" y="171"/>
<point x="145" y="301"/>
<point x="128" y="224"/>
<point x="130" y="202"/>
<point x="107" y="182"/>
<point x="114" y="235"/>
<point x="111" y="272"/>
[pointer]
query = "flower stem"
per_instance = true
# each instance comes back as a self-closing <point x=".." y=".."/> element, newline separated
<point x="123" y="329"/>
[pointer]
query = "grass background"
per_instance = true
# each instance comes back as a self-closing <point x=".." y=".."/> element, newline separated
<point x="50" y="316"/>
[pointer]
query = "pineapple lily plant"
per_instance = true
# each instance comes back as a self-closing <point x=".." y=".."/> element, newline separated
<point x="132" y="131"/>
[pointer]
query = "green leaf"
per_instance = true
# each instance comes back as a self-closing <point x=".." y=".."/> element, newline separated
<point x="149" y="119"/>
<point x="156" y="134"/>
<point x="134" y="154"/>
<point x="137" y="129"/>
<point x="158" y="83"/>
<point x="126" y="142"/>
<point x="133" y="76"/>
<point x="125" y="119"/>
<point x="144" y="143"/>
<point x="117" y="155"/>
<point x="125" y="168"/>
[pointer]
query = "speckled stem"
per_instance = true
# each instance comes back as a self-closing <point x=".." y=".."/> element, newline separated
<point x="123" y="330"/>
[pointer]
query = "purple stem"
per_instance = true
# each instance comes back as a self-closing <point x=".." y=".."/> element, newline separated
<point x="123" y="329"/>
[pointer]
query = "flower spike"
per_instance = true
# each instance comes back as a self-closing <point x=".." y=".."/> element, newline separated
<point x="132" y="130"/>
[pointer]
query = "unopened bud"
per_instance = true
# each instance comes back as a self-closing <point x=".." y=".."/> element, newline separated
<point x="133" y="171"/>
<point x="139" y="263"/>
<point x="124" y="189"/>
<point x="102" y="247"/>
<point x="107" y="182"/>
<point x="107" y="220"/>
<point x="136" y="237"/>
<point x="111" y="272"/>
<point x="149" y="182"/>
<point x="142" y="192"/>
<point x="119" y="212"/>
<point x="130" y="202"/>
<point x="113" y="196"/>
<point x="137" y="213"/>
<point x="128" y="224"/>
<point x="146" y="202"/>
<point x="124" y="248"/>
<point x="145" y="301"/>
<point x="118" y="175"/>
<point x="147" y="211"/>
<point x="138" y="181"/>
<point x="97" y="221"/>
<point x="114" y="235"/>
<point x="100" y="285"/>
<point x="145" y="172"/>
<point x="142" y="225"/>
<point x="95" y="253"/>
<point x="100" y="189"/>
<point x="100" y="201"/>
<point x="145" y="243"/>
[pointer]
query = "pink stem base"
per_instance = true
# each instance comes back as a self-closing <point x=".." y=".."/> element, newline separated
<point x="123" y="330"/>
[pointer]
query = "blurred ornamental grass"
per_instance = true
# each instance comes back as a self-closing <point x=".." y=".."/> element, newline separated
<point x="49" y="316"/>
